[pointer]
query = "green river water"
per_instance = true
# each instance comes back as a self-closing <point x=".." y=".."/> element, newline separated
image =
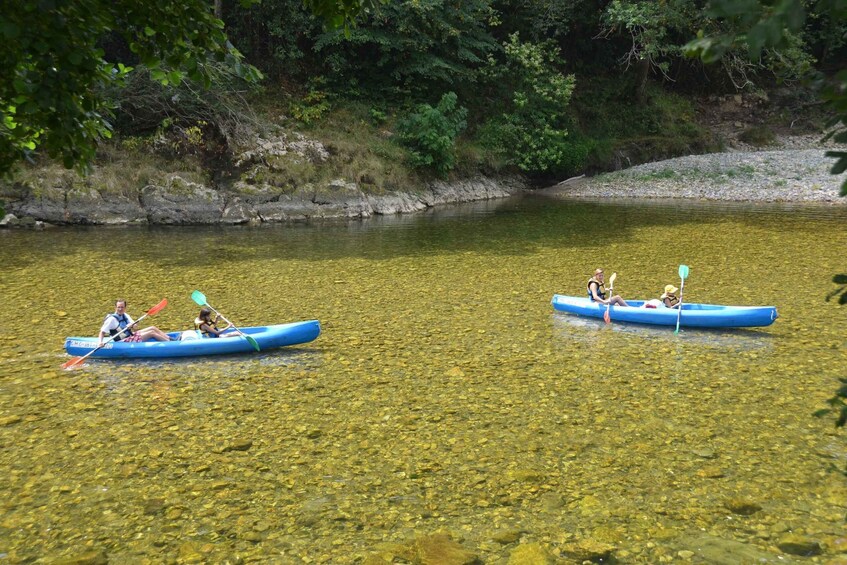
<point x="446" y="414"/>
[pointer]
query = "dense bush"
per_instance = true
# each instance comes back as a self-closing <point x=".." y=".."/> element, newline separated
<point x="430" y="133"/>
<point x="532" y="131"/>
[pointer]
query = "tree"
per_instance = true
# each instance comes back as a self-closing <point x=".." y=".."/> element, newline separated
<point x="764" y="24"/>
<point x="418" y="47"/>
<point x="532" y="133"/>
<point x="54" y="74"/>
<point x="430" y="133"/>
<point x="655" y="32"/>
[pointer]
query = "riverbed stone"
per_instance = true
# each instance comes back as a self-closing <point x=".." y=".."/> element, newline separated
<point x="797" y="544"/>
<point x="530" y="554"/>
<point x="92" y="557"/>
<point x="235" y="445"/>
<point x="720" y="551"/>
<point x="588" y="550"/>
<point x="9" y="420"/>
<point x="437" y="549"/>
<point x="9" y="220"/>
<point x="742" y="506"/>
<point x="507" y="536"/>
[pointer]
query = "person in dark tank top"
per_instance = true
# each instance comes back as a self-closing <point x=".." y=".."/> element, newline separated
<point x="597" y="290"/>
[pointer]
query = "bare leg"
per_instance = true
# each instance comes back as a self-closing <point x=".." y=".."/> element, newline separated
<point x="153" y="333"/>
<point x="617" y="300"/>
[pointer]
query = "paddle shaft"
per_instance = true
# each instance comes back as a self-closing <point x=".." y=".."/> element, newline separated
<point x="607" y="317"/>
<point x="681" y="287"/>
<point x="681" y="290"/>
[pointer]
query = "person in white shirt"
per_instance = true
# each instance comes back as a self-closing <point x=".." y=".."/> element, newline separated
<point x="122" y="326"/>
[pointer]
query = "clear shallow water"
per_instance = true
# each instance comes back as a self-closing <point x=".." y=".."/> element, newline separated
<point x="443" y="395"/>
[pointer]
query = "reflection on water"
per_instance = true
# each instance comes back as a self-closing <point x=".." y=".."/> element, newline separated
<point x="444" y="394"/>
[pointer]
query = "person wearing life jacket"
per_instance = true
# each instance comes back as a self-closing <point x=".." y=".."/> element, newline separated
<point x="669" y="297"/>
<point x="121" y="327"/>
<point x="209" y="326"/>
<point x="597" y="290"/>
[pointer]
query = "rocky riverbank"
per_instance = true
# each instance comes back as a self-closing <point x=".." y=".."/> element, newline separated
<point x="184" y="203"/>
<point x="795" y="169"/>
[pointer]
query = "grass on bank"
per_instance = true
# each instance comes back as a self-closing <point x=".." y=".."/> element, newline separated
<point x="117" y="170"/>
<point x="363" y="146"/>
<point x="630" y="130"/>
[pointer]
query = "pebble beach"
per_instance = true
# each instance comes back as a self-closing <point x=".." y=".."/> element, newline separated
<point x="794" y="169"/>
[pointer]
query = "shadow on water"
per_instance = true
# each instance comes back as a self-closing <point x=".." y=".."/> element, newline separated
<point x="284" y="357"/>
<point x="580" y="328"/>
<point x="510" y="226"/>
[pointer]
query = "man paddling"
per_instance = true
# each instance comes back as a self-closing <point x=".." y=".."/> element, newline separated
<point x="122" y="327"/>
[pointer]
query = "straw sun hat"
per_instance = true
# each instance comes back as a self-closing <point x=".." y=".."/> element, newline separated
<point x="669" y="289"/>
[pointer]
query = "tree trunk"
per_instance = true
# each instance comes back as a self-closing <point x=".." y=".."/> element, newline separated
<point x="219" y="9"/>
<point x="642" y="73"/>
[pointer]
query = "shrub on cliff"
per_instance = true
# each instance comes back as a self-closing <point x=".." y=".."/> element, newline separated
<point x="430" y="134"/>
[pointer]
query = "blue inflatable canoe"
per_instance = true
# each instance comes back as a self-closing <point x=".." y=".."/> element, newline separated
<point x="693" y="315"/>
<point x="268" y="337"/>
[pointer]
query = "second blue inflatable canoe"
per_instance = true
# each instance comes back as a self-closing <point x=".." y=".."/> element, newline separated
<point x="693" y="315"/>
<point x="268" y="337"/>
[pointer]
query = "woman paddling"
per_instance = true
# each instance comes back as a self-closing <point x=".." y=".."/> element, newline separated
<point x="597" y="290"/>
<point x="209" y="326"/>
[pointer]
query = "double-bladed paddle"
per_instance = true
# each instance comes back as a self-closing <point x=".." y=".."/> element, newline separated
<point x="76" y="361"/>
<point x="683" y="274"/>
<point x="200" y="299"/>
<point x="606" y="317"/>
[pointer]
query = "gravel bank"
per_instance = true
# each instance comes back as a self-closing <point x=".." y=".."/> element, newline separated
<point x="796" y="170"/>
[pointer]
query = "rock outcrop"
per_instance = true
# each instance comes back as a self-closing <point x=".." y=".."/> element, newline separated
<point x="177" y="201"/>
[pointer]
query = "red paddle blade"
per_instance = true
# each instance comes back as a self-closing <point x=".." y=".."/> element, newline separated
<point x="157" y="307"/>
<point x="72" y="363"/>
<point x="606" y="317"/>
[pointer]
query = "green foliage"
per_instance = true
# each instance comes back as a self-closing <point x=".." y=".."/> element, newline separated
<point x="430" y="133"/>
<point x="276" y="36"/>
<point x="658" y="124"/>
<point x="312" y="106"/>
<point x="341" y="13"/>
<point x="411" y="49"/>
<point x="378" y="116"/>
<point x="656" y="30"/>
<point x="532" y="133"/>
<point x="763" y="25"/>
<point x="53" y="73"/>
